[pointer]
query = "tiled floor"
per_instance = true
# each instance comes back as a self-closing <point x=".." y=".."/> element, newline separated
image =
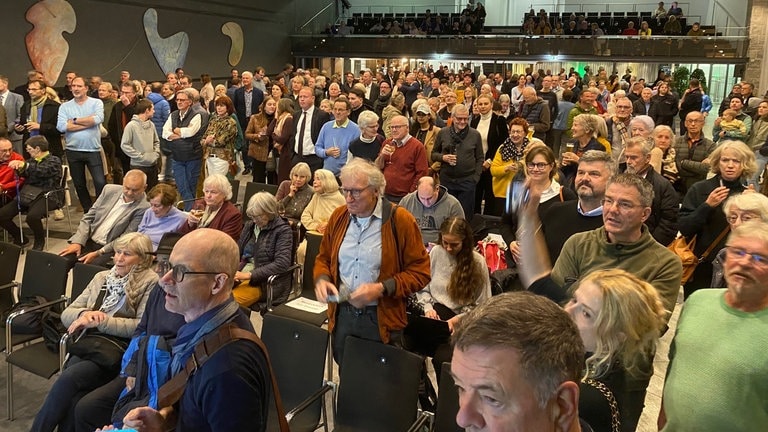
<point x="30" y="390"/>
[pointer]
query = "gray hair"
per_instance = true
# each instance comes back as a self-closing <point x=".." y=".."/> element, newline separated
<point x="589" y="122"/>
<point x="599" y="156"/>
<point x="643" y="186"/>
<point x="220" y="183"/>
<point x="360" y="167"/>
<point x="660" y="128"/>
<point x="139" y="244"/>
<point x="262" y="203"/>
<point x="644" y="144"/>
<point x="367" y="118"/>
<point x="192" y="94"/>
<point x="646" y="121"/>
<point x="751" y="202"/>
<point x="301" y="169"/>
<point x="327" y="179"/>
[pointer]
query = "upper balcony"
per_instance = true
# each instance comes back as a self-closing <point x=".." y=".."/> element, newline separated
<point x="490" y="47"/>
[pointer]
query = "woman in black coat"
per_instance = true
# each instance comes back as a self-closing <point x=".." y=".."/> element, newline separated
<point x="493" y="131"/>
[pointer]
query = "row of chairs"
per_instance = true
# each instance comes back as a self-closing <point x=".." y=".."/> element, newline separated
<point x="45" y="275"/>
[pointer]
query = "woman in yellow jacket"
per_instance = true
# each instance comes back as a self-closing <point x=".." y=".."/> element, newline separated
<point x="508" y="161"/>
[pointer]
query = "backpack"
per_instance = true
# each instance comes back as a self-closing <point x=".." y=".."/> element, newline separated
<point x="29" y="323"/>
<point x="153" y="369"/>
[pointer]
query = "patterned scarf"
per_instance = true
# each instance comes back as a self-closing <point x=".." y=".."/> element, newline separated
<point x="33" y="109"/>
<point x="115" y="296"/>
<point x="509" y="151"/>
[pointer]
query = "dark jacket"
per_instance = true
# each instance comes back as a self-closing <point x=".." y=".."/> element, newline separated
<point x="121" y="116"/>
<point x="272" y="253"/>
<point x="47" y="122"/>
<point x="497" y="133"/>
<point x="537" y="116"/>
<point x="45" y="174"/>
<point x="691" y="102"/>
<point x="469" y="155"/>
<point x="689" y="160"/>
<point x="319" y="118"/>
<point x="662" y="223"/>
<point x="638" y="108"/>
<point x="666" y="109"/>
<point x="257" y="97"/>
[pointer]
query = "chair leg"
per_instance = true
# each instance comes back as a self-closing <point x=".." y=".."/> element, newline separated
<point x="9" y="393"/>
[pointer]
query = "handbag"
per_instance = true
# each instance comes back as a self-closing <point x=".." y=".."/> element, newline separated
<point x="103" y="349"/>
<point x="233" y="168"/>
<point x="28" y="194"/>
<point x="683" y="248"/>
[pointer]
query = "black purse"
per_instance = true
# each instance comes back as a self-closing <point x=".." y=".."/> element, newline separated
<point x="103" y="349"/>
<point x="29" y="194"/>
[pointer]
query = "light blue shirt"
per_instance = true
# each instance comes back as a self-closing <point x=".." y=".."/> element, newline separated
<point x="360" y="252"/>
<point x="333" y="135"/>
<point x="154" y="227"/>
<point x="86" y="140"/>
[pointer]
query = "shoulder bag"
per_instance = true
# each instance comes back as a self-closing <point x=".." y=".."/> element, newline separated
<point x="683" y="248"/>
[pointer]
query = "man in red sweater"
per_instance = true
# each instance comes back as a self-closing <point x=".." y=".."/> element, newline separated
<point x="8" y="177"/>
<point x="403" y="161"/>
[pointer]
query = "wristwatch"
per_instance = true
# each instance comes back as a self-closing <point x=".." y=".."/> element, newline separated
<point x="74" y="120"/>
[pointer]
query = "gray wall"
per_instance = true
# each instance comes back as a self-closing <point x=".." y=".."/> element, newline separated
<point x="110" y="37"/>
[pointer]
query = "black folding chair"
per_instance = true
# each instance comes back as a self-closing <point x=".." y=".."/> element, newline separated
<point x="297" y="351"/>
<point x="44" y="275"/>
<point x="251" y="188"/>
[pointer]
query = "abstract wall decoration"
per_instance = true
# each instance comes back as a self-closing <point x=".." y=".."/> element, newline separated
<point x="235" y="33"/>
<point x="170" y="52"/>
<point x="46" y="46"/>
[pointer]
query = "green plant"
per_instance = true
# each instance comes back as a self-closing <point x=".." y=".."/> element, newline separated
<point x="699" y="75"/>
<point x="680" y="79"/>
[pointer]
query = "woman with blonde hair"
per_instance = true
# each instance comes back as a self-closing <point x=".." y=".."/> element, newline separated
<point x="280" y="132"/>
<point x="326" y="198"/>
<point x="620" y="318"/>
<point x="258" y="139"/>
<point x="294" y="194"/>
<point x="663" y="153"/>
<point x="395" y="108"/>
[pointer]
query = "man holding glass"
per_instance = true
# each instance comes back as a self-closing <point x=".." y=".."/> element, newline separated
<point x="402" y="159"/>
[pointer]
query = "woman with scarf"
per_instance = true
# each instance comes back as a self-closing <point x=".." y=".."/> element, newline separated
<point x="258" y="139"/>
<point x="663" y="154"/>
<point x="508" y="161"/>
<point x="279" y="131"/>
<point x="112" y="304"/>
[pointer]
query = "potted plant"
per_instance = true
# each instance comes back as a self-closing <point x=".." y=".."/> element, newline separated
<point x="680" y="78"/>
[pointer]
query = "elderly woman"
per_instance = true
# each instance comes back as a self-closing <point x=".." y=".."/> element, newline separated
<point x="368" y="145"/>
<point x="161" y="216"/>
<point x="266" y="248"/>
<point x="508" y="160"/>
<point x="732" y="164"/>
<point x="219" y="91"/>
<point x="219" y="138"/>
<point x="584" y="132"/>
<point x="641" y="125"/>
<point x="663" y="154"/>
<point x="258" y="139"/>
<point x="294" y="194"/>
<point x="215" y="211"/>
<point x="738" y="210"/>
<point x="325" y="200"/>
<point x="43" y="172"/>
<point x="112" y="304"/>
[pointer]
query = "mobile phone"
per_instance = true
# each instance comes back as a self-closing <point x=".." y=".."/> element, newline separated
<point x="517" y="195"/>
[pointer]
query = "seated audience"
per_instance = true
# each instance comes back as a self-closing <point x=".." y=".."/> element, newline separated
<point x="739" y="209"/>
<point x="460" y="281"/>
<point x="112" y="304"/>
<point x="214" y="210"/>
<point x="294" y="194"/>
<point x="701" y="215"/>
<point x="724" y="389"/>
<point x="162" y="216"/>
<point x="117" y="211"/>
<point x="266" y="248"/>
<point x="43" y="171"/>
<point x="8" y="175"/>
<point x="431" y="205"/>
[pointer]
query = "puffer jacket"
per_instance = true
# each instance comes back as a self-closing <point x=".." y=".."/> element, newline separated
<point x="271" y="252"/>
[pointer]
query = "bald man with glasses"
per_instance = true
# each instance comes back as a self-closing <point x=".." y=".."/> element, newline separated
<point x="403" y="161"/>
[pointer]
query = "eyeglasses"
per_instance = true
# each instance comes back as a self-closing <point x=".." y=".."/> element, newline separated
<point x="623" y="107"/>
<point x="746" y="217"/>
<point x="178" y="271"/>
<point x="461" y="119"/>
<point x="354" y="192"/>
<point x="6" y="150"/>
<point x="622" y="205"/>
<point x="181" y="100"/>
<point x="537" y="165"/>
<point x="397" y="126"/>
<point x="694" y="121"/>
<point x="739" y="253"/>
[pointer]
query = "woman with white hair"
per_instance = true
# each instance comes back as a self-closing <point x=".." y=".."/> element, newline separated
<point x="266" y="248"/>
<point x="585" y="132"/>
<point x="214" y="210"/>
<point x="368" y="145"/>
<point x="641" y="125"/>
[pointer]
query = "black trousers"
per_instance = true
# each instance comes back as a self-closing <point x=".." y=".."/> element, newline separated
<point x="35" y="215"/>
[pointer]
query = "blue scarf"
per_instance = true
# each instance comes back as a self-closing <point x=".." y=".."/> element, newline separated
<point x="191" y="333"/>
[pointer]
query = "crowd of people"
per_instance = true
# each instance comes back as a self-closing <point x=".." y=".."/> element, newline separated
<point x="391" y="167"/>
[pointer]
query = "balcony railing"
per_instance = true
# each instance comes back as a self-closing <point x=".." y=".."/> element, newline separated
<point x="709" y="49"/>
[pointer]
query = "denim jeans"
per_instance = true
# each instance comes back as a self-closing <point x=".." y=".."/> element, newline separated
<point x="187" y="173"/>
<point x="78" y="161"/>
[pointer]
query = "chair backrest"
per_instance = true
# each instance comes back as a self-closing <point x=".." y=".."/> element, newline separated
<point x="447" y="403"/>
<point x="235" y="190"/>
<point x="9" y="262"/>
<point x="82" y="275"/>
<point x="378" y="387"/>
<point x="297" y="351"/>
<point x="313" y="248"/>
<point x="167" y="241"/>
<point x="251" y="188"/>
<point x="45" y="274"/>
